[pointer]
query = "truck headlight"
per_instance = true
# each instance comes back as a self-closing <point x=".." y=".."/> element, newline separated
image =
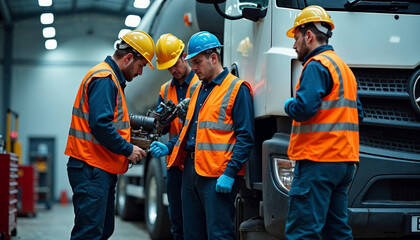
<point x="283" y="172"/>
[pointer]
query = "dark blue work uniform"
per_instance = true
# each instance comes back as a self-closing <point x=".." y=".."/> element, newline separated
<point x="94" y="188"/>
<point x="318" y="197"/>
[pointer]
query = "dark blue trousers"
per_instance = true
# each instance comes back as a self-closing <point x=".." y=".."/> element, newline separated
<point x="207" y="214"/>
<point x="318" y="201"/>
<point x="93" y="201"/>
<point x="173" y="189"/>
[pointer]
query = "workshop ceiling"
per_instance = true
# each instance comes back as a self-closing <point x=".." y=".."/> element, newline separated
<point x="13" y="11"/>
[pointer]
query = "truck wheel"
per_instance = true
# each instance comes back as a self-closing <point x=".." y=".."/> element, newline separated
<point x="156" y="214"/>
<point x="126" y="206"/>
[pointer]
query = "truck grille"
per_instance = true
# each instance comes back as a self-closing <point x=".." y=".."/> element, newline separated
<point x="401" y="140"/>
<point x="389" y="110"/>
<point x="405" y="190"/>
<point x="394" y="190"/>
<point x="390" y="121"/>
<point x="382" y="80"/>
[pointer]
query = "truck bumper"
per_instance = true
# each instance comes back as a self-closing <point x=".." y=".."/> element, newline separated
<point x="384" y="222"/>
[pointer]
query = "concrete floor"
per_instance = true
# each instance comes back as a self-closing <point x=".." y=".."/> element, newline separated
<point x="57" y="222"/>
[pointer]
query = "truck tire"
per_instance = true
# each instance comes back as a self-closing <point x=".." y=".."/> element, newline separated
<point x="156" y="213"/>
<point x="127" y="207"/>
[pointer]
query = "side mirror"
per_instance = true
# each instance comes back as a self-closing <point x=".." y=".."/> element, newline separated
<point x="254" y="14"/>
<point x="250" y="13"/>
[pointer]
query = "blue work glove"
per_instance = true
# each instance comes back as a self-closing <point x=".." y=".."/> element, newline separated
<point x="224" y="184"/>
<point x="158" y="149"/>
<point x="287" y="104"/>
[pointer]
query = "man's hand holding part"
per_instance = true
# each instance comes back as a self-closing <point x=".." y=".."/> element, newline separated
<point x="137" y="154"/>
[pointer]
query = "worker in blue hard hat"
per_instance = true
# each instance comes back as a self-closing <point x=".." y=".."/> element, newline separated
<point x="214" y="143"/>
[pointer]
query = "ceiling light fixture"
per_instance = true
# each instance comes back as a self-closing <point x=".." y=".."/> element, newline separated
<point x="51" y="44"/>
<point x="141" y="3"/>
<point x="132" y="21"/>
<point x="45" y="3"/>
<point x="47" y="18"/>
<point x="48" y="32"/>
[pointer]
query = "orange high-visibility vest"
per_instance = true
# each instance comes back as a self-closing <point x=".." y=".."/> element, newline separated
<point x="81" y="144"/>
<point x="332" y="135"/>
<point x="168" y="92"/>
<point x="215" y="137"/>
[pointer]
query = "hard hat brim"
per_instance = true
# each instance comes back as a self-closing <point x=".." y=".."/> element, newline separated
<point x="189" y="56"/>
<point x="167" y="64"/>
<point x="150" y="65"/>
<point x="291" y="32"/>
<point x="196" y="53"/>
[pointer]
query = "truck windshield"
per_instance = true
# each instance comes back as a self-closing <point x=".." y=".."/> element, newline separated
<point x="384" y="6"/>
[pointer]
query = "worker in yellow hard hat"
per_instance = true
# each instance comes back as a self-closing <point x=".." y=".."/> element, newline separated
<point x="170" y="55"/>
<point x="99" y="138"/>
<point x="324" y="139"/>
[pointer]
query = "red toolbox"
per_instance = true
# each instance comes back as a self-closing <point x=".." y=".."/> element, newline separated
<point x="27" y="194"/>
<point x="8" y="193"/>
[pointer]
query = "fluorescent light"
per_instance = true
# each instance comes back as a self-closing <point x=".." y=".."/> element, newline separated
<point x="45" y="3"/>
<point x="132" y="20"/>
<point x="141" y="3"/>
<point x="123" y="32"/>
<point x="47" y="18"/>
<point x="51" y="44"/>
<point x="48" y="32"/>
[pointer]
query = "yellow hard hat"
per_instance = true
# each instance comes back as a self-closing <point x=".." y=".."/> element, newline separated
<point x="142" y="43"/>
<point x="168" y="50"/>
<point x="310" y="14"/>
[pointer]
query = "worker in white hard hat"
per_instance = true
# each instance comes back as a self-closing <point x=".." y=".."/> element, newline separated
<point x="170" y="55"/>
<point x="99" y="138"/>
<point x="324" y="139"/>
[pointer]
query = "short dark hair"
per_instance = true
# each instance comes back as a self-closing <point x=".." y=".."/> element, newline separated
<point x="122" y="49"/>
<point x="216" y="50"/>
<point x="320" y="36"/>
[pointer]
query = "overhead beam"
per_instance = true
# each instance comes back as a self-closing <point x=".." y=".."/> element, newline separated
<point x="5" y="11"/>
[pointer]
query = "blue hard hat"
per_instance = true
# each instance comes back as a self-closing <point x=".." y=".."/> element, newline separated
<point x="200" y="42"/>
